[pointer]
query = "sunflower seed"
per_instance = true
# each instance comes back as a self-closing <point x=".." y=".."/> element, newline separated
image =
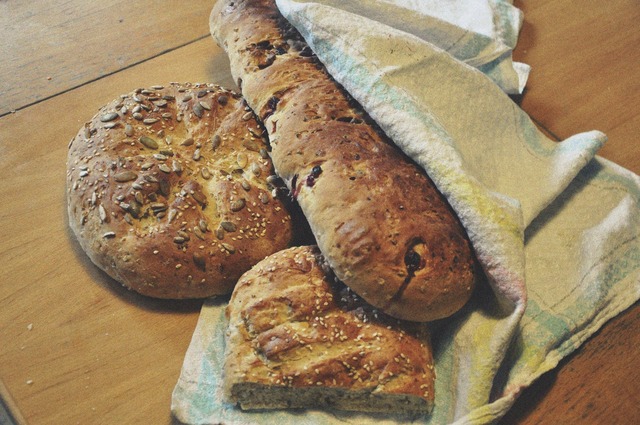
<point x="150" y="121"/>
<point x="125" y="176"/>
<point x="196" y="155"/>
<point x="138" y="197"/>
<point x="220" y="233"/>
<point x="161" y="103"/>
<point x="202" y="225"/>
<point x="108" y="235"/>
<point x="110" y="125"/>
<point x="247" y="116"/>
<point x="178" y="240"/>
<point x="245" y="185"/>
<point x="176" y="167"/>
<point x="109" y="117"/>
<point x="187" y="142"/>
<point x="263" y="153"/>
<point x="187" y="98"/>
<point x="206" y="174"/>
<point x="160" y="157"/>
<point x="146" y="166"/>
<point x="164" y="168"/>
<point x="138" y="116"/>
<point x="148" y="142"/>
<point x="215" y="141"/>
<point x="102" y="213"/>
<point x="149" y="178"/>
<point x="171" y="215"/>
<point x="222" y="99"/>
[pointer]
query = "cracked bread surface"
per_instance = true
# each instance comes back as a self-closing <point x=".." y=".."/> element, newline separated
<point x="298" y="338"/>
<point x="376" y="216"/>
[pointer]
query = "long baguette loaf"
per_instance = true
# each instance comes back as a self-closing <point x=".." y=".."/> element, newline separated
<point x="377" y="218"/>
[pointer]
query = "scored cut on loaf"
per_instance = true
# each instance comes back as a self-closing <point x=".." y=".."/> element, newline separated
<point x="298" y="338"/>
<point x="377" y="218"/>
<point x="169" y="191"/>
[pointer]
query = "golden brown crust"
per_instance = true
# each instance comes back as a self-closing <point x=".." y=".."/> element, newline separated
<point x="294" y="331"/>
<point x="167" y="191"/>
<point x="377" y="218"/>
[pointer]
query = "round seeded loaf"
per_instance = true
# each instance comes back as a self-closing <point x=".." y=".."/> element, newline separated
<point x="297" y="338"/>
<point x="169" y="191"/>
<point x="378" y="219"/>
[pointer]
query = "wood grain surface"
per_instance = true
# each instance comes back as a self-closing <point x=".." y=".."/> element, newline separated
<point x="75" y="347"/>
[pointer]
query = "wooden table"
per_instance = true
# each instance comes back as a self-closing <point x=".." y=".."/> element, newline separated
<point x="77" y="348"/>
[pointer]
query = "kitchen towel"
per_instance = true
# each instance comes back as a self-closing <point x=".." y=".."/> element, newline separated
<point x="555" y="227"/>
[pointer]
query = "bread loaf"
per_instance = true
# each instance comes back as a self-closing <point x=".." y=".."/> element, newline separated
<point x="379" y="221"/>
<point x="167" y="191"/>
<point x="298" y="339"/>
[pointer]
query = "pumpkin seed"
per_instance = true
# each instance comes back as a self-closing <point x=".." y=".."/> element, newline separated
<point x="109" y="116"/>
<point x="125" y="176"/>
<point x="228" y="247"/>
<point x="128" y="130"/>
<point x="199" y="261"/>
<point x="228" y="226"/>
<point x="198" y="110"/>
<point x="199" y="197"/>
<point x="148" y="142"/>
<point x="242" y="159"/>
<point x="237" y="205"/>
